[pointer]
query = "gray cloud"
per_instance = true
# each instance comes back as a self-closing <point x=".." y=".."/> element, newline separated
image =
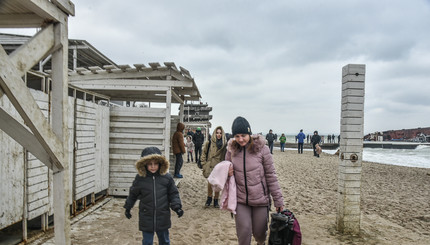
<point x="277" y="63"/>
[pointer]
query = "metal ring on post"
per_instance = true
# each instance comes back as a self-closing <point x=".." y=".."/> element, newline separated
<point x="353" y="157"/>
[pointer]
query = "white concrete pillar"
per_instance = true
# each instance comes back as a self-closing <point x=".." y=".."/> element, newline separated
<point x="351" y="148"/>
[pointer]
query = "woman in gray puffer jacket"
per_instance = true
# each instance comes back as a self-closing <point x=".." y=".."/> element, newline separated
<point x="256" y="180"/>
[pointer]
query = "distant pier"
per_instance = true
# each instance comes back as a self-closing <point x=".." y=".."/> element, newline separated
<point x="366" y="144"/>
<point x="392" y="144"/>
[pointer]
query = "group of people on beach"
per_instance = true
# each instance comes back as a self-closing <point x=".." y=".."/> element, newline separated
<point x="250" y="165"/>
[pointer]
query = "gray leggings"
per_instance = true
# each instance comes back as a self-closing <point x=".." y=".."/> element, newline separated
<point x="251" y="221"/>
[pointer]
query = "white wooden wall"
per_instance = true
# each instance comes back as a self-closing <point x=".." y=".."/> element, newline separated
<point x="131" y="130"/>
<point x="39" y="177"/>
<point x="92" y="162"/>
<point x="85" y="143"/>
<point x="11" y="174"/>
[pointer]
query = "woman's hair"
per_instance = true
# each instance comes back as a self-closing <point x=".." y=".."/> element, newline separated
<point x="236" y="147"/>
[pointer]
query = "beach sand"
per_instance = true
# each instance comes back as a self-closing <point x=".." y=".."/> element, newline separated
<point x="395" y="207"/>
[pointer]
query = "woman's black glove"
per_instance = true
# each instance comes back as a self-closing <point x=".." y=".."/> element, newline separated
<point x="127" y="213"/>
<point x="179" y="212"/>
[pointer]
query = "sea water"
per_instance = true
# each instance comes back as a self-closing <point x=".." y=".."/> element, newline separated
<point x="418" y="157"/>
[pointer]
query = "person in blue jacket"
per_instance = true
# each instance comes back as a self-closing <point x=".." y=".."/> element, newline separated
<point x="301" y="138"/>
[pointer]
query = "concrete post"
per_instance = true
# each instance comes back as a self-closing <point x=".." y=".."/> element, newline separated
<point x="351" y="148"/>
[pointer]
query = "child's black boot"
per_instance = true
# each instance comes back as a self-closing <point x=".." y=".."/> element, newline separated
<point x="208" y="202"/>
<point x="216" y="205"/>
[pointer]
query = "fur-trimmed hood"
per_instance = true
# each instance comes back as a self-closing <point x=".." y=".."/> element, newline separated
<point x="259" y="143"/>
<point x="141" y="164"/>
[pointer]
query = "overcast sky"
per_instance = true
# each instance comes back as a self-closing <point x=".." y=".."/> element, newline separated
<point x="277" y="63"/>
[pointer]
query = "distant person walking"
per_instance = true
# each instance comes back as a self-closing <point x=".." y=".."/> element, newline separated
<point x="333" y="138"/>
<point x="190" y="133"/>
<point x="214" y="151"/>
<point x="307" y="139"/>
<point x="301" y="138"/>
<point x="178" y="147"/>
<point x="198" y="140"/>
<point x="282" y="141"/>
<point x="190" y="148"/>
<point x="316" y="139"/>
<point x="270" y="137"/>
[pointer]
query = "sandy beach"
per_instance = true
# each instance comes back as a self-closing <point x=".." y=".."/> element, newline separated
<point x="395" y="207"/>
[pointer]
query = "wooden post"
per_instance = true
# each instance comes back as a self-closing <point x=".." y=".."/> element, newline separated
<point x="351" y="148"/>
<point x="59" y="126"/>
<point x="168" y="122"/>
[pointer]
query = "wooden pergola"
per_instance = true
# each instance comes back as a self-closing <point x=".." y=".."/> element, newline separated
<point x="154" y="83"/>
<point x="40" y="137"/>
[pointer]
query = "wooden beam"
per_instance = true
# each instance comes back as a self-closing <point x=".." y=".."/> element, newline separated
<point x="24" y="137"/>
<point x="67" y="6"/>
<point x="60" y="128"/>
<point x="168" y="122"/>
<point x="24" y="103"/>
<point x="132" y="82"/>
<point x="45" y="9"/>
<point x="144" y="74"/>
<point x="20" y="21"/>
<point x="30" y="53"/>
<point x="176" y="98"/>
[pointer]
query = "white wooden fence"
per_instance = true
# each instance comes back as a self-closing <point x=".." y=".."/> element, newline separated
<point x="131" y="130"/>
<point x="26" y="183"/>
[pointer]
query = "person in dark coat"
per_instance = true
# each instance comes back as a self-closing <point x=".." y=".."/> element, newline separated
<point x="157" y="192"/>
<point x="316" y="139"/>
<point x="178" y="148"/>
<point x="270" y="137"/>
<point x="198" y="140"/>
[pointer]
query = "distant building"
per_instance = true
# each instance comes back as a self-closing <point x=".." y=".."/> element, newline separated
<point x="415" y="134"/>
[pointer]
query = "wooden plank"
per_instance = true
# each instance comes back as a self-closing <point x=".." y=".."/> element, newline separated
<point x="136" y="125"/>
<point x="159" y="120"/>
<point x="45" y="9"/>
<point x="65" y="5"/>
<point x="33" y="188"/>
<point x="85" y="158"/>
<point x="37" y="171"/>
<point x="139" y="112"/>
<point x="137" y="130"/>
<point x="85" y="134"/>
<point x="38" y="211"/>
<point x="12" y="179"/>
<point x="59" y="126"/>
<point x="37" y="48"/>
<point x="124" y="157"/>
<point x="36" y="180"/>
<point x="37" y="204"/>
<point x="32" y="197"/>
<point x="167" y="136"/>
<point x="25" y="20"/>
<point x="136" y="136"/>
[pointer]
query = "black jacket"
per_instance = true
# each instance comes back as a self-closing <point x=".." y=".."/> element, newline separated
<point x="156" y="192"/>
<point x="316" y="139"/>
<point x="198" y="139"/>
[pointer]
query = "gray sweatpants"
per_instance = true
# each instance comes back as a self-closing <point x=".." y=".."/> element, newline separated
<point x="251" y="221"/>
